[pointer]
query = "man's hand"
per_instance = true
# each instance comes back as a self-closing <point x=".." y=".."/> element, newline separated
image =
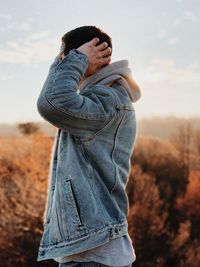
<point x="97" y="55"/>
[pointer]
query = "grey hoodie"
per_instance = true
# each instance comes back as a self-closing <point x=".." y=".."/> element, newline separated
<point x="118" y="70"/>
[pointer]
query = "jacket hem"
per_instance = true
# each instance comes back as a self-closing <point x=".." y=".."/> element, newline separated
<point x="92" y="240"/>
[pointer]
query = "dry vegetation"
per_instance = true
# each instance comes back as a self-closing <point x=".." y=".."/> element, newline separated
<point x="163" y="190"/>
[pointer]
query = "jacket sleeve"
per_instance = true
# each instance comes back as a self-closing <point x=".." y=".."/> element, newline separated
<point x="61" y="105"/>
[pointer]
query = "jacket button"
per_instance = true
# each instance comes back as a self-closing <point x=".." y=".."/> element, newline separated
<point x="116" y="230"/>
<point x="58" y="68"/>
<point x="48" y="220"/>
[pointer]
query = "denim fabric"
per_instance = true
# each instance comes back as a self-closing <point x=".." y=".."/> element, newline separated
<point x="87" y="204"/>
<point x="117" y="252"/>
<point x="86" y="264"/>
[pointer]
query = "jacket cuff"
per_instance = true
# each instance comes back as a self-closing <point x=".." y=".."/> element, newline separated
<point x="74" y="55"/>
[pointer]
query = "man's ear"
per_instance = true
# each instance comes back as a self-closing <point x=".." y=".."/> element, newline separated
<point x="62" y="55"/>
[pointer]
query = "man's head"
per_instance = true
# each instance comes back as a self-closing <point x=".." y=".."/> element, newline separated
<point x="78" y="36"/>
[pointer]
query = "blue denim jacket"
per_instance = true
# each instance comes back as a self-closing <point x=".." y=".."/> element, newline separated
<point x="87" y="204"/>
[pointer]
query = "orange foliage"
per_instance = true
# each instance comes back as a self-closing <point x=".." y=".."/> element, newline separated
<point x="24" y="164"/>
<point x="191" y="200"/>
<point x="164" y="213"/>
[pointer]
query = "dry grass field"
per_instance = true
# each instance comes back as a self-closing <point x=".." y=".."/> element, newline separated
<point x="163" y="190"/>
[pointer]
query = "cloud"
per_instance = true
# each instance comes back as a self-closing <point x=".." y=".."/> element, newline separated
<point x="190" y="16"/>
<point x="161" y="34"/>
<point x="8" y="23"/>
<point x="39" y="35"/>
<point x="34" y="48"/>
<point x="194" y="65"/>
<point x="6" y="77"/>
<point x="18" y="26"/>
<point x="186" y="15"/>
<point x="177" y="21"/>
<point x="5" y="17"/>
<point x="167" y="71"/>
<point x="172" y="41"/>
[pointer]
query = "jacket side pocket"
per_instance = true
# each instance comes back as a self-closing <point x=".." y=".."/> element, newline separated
<point x="72" y="205"/>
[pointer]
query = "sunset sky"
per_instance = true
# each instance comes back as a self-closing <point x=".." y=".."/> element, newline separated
<point x="160" y="39"/>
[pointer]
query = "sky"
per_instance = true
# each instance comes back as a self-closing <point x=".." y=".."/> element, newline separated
<point x="160" y="39"/>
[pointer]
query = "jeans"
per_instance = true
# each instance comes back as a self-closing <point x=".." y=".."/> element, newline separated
<point x="86" y="264"/>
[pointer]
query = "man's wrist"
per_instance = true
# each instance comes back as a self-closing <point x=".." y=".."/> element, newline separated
<point x="80" y="54"/>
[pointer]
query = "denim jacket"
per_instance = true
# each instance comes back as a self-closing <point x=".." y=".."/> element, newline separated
<point x="87" y="204"/>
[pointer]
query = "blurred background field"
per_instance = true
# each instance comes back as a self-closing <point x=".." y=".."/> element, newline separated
<point x="163" y="190"/>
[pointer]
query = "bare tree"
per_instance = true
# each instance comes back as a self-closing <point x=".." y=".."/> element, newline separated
<point x="181" y="139"/>
<point x="196" y="141"/>
<point x="28" y="128"/>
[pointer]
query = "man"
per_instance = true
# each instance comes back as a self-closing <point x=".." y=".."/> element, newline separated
<point x="90" y="101"/>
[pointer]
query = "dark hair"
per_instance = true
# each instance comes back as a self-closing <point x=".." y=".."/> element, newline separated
<point x="79" y="36"/>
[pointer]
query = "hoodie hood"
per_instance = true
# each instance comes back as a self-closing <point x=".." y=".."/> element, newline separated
<point x="116" y="71"/>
